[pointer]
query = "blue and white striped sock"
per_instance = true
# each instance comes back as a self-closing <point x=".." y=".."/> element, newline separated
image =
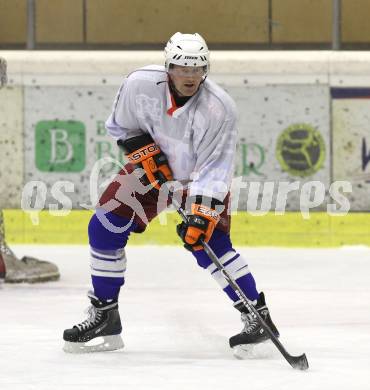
<point x="234" y="263"/>
<point x="237" y="268"/>
<point x="107" y="271"/>
<point x="107" y="256"/>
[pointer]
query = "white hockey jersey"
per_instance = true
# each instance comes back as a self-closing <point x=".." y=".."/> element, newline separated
<point x="199" y="138"/>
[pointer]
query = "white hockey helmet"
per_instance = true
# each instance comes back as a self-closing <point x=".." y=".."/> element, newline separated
<point x="187" y="50"/>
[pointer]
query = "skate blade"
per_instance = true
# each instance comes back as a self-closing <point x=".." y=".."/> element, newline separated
<point x="99" y="344"/>
<point x="263" y="350"/>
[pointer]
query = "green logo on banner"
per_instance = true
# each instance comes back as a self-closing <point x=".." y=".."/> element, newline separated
<point x="300" y="150"/>
<point x="60" y="146"/>
<point x="251" y="157"/>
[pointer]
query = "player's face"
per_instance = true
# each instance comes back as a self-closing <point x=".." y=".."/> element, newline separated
<point x="186" y="78"/>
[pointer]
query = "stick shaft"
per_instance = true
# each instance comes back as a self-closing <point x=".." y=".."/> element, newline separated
<point x="295" y="361"/>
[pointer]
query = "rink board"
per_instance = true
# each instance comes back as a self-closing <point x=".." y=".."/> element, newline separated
<point x="66" y="136"/>
<point x="291" y="230"/>
<point x="61" y="110"/>
<point x="11" y="145"/>
<point x="267" y="150"/>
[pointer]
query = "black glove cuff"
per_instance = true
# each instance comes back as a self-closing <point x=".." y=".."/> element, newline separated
<point x="213" y="203"/>
<point x="134" y="143"/>
<point x="206" y="200"/>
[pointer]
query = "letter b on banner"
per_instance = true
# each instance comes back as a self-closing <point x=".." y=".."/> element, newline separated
<point x="60" y="146"/>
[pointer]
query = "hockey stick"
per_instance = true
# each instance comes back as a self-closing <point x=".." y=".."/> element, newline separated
<point x="297" y="362"/>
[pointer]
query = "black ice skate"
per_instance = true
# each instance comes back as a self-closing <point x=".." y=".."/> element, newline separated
<point x="252" y="333"/>
<point x="100" y="332"/>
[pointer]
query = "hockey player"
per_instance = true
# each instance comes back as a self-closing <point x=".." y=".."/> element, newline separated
<point x="28" y="269"/>
<point x="173" y="123"/>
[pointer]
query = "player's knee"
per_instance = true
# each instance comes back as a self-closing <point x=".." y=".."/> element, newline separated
<point x="108" y="229"/>
<point x="220" y="244"/>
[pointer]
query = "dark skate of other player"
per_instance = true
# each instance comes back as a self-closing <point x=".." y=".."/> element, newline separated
<point x="25" y="270"/>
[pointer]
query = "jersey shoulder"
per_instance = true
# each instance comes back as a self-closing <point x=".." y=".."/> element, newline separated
<point x="153" y="73"/>
<point x="217" y="98"/>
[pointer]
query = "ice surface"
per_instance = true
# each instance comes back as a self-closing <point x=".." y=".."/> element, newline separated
<point x="177" y="323"/>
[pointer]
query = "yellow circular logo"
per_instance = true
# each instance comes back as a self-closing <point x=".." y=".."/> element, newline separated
<point x="300" y="150"/>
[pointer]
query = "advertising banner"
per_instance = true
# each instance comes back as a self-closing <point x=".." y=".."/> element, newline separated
<point x="65" y="136"/>
<point x="351" y="142"/>
<point x="284" y="137"/>
<point x="283" y="144"/>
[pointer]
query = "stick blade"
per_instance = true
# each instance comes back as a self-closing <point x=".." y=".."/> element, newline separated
<point x="299" y="362"/>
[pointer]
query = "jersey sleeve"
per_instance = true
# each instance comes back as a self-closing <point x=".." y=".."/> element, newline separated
<point x="122" y="122"/>
<point x="215" y="159"/>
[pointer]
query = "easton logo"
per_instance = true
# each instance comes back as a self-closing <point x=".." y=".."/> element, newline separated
<point x="208" y="212"/>
<point x="146" y="151"/>
<point x="191" y="58"/>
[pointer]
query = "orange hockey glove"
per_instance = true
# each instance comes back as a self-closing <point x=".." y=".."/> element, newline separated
<point x="144" y="153"/>
<point x="200" y="226"/>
